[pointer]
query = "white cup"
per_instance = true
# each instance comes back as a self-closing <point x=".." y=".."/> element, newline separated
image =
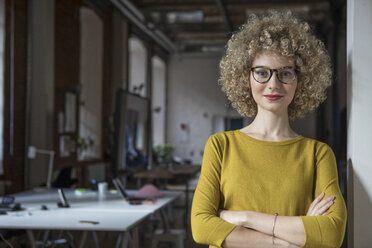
<point x="102" y="190"/>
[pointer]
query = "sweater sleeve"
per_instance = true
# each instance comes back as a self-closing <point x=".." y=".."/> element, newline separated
<point x="329" y="230"/>
<point x="207" y="227"/>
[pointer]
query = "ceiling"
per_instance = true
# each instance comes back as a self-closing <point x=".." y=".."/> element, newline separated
<point x="205" y="25"/>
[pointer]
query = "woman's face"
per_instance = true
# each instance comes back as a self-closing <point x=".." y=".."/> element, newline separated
<point x="273" y="96"/>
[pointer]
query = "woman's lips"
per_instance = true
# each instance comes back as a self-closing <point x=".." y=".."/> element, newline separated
<point x="273" y="97"/>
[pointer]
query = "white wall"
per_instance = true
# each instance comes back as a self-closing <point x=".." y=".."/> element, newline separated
<point x="193" y="99"/>
<point x="359" y="54"/>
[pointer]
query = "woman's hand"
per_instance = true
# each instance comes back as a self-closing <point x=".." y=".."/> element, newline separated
<point x="319" y="206"/>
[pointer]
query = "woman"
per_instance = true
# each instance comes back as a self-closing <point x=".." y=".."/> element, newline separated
<point x="265" y="185"/>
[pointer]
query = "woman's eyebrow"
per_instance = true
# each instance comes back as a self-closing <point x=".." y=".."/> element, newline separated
<point x="282" y="67"/>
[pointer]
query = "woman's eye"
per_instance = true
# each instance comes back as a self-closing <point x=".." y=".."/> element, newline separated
<point x="261" y="73"/>
<point x="286" y="73"/>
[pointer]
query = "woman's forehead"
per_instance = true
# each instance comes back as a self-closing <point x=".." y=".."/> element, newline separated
<point x="272" y="59"/>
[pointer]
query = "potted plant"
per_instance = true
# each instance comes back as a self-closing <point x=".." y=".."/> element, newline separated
<point x="83" y="144"/>
<point x="162" y="153"/>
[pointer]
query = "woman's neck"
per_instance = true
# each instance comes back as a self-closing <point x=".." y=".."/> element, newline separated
<point x="270" y="126"/>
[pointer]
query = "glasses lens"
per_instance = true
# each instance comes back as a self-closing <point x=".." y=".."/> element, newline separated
<point x="261" y="75"/>
<point x="287" y="75"/>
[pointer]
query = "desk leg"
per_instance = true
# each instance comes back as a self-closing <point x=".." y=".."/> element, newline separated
<point x="118" y="240"/>
<point x="72" y="241"/>
<point x="31" y="237"/>
<point x="95" y="239"/>
<point x="83" y="237"/>
<point x="126" y="238"/>
<point x="135" y="237"/>
<point x="165" y="220"/>
<point x="46" y="236"/>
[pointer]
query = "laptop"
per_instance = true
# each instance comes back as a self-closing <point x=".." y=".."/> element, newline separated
<point x="120" y="188"/>
<point x="8" y="204"/>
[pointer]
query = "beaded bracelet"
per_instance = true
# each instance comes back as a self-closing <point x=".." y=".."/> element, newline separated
<point x="273" y="235"/>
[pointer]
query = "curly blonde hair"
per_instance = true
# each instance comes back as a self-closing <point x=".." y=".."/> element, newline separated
<point x="284" y="34"/>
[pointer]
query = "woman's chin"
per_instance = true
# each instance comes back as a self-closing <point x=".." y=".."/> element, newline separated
<point x="277" y="110"/>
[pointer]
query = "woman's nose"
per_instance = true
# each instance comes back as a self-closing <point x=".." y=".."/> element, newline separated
<point x="274" y="82"/>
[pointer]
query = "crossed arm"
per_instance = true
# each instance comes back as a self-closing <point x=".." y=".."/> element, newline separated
<point x="255" y="228"/>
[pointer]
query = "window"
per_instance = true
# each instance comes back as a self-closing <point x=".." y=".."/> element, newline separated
<point x="137" y="67"/>
<point x="91" y="77"/>
<point x="158" y="100"/>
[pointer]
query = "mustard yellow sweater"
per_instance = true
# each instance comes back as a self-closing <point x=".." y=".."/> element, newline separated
<point x="242" y="173"/>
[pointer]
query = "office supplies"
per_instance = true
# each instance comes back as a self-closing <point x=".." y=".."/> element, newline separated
<point x="102" y="190"/>
<point x="89" y="222"/>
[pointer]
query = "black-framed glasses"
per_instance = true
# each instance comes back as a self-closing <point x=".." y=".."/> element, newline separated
<point x="262" y="74"/>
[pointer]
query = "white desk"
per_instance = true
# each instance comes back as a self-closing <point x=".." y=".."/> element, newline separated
<point x="89" y="200"/>
<point x="111" y="214"/>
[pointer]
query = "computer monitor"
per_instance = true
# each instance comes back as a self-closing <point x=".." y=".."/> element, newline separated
<point x="130" y="131"/>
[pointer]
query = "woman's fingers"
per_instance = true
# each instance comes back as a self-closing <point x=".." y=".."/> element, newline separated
<point x="325" y="213"/>
<point x="319" y="197"/>
<point x="317" y="200"/>
<point x="325" y="202"/>
<point x="311" y="209"/>
<point x="325" y="205"/>
<point x="318" y="207"/>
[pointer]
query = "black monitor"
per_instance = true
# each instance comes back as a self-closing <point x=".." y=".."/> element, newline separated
<point x="130" y="131"/>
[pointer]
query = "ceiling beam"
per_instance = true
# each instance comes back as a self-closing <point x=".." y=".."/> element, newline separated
<point x="225" y="15"/>
<point x="192" y="35"/>
<point x="200" y="27"/>
<point x="204" y="42"/>
<point x="182" y="6"/>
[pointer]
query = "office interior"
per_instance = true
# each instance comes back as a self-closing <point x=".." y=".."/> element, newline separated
<point x="99" y="89"/>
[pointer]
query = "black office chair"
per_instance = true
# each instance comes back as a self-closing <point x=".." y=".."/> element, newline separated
<point x="64" y="179"/>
